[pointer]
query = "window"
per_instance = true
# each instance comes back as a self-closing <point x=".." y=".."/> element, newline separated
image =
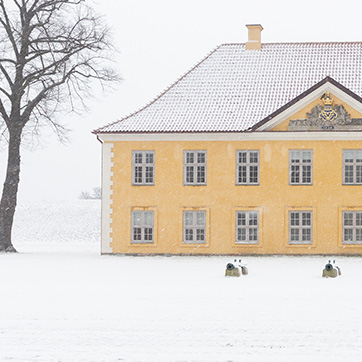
<point x="300" y="227"/>
<point x="194" y="227"/>
<point x="195" y="167"/>
<point x="352" y="227"/>
<point x="142" y="227"/>
<point x="352" y="167"/>
<point x="300" y="167"/>
<point x="143" y="170"/>
<point x="247" y="167"/>
<point x="247" y="227"/>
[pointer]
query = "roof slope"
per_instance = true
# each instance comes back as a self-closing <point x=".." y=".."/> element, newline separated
<point x="233" y="89"/>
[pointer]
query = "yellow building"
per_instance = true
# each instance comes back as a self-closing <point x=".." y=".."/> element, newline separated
<point x="256" y="150"/>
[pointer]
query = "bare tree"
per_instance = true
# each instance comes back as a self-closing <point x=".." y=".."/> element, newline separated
<point x="50" y="53"/>
<point x="85" y="195"/>
<point x="97" y="193"/>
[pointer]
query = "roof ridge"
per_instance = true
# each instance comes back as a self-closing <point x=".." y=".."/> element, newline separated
<point x="99" y="130"/>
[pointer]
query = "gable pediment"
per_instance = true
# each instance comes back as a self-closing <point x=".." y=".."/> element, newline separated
<point x="327" y="116"/>
<point x="328" y="106"/>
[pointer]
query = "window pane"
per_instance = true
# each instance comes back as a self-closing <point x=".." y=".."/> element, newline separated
<point x="307" y="174"/>
<point x="347" y="218"/>
<point x="352" y="227"/>
<point x="348" y="235"/>
<point x="253" y="174"/>
<point x="253" y="234"/>
<point x="148" y="234"/>
<point x="200" y="234"/>
<point x="137" y="218"/>
<point x="200" y="174"/>
<point x="358" y="218"/>
<point x="358" y="155"/>
<point x="241" y="219"/>
<point x="189" y="157"/>
<point x="348" y="156"/>
<point x="253" y="157"/>
<point x="307" y="156"/>
<point x="253" y="218"/>
<point x="247" y="167"/>
<point x="359" y="235"/>
<point x="138" y="157"/>
<point x="195" y="167"/>
<point x="294" y="174"/>
<point x="142" y="225"/>
<point x="348" y="174"/>
<point x="137" y="234"/>
<point x="294" y="218"/>
<point x="201" y="157"/>
<point x="242" y="157"/>
<point x="306" y="235"/>
<point x="294" y="235"/>
<point x="200" y="218"/>
<point x="300" y="227"/>
<point x="189" y="174"/>
<point x="149" y="157"/>
<point x="306" y="219"/>
<point x="242" y="174"/>
<point x="358" y="174"/>
<point x="138" y="174"/>
<point x="247" y="226"/>
<point x="148" y="218"/>
<point x="294" y="156"/>
<point x="188" y="218"/>
<point x="189" y="234"/>
<point x="149" y="174"/>
<point x="241" y="234"/>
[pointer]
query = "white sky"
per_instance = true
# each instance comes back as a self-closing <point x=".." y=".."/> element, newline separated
<point x="159" y="40"/>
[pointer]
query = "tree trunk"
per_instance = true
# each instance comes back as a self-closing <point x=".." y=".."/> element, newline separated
<point x="10" y="190"/>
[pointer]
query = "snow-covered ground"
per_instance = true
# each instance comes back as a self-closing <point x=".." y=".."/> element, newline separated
<point x="61" y="301"/>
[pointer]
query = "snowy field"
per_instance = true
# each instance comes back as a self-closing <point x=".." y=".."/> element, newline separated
<point x="61" y="301"/>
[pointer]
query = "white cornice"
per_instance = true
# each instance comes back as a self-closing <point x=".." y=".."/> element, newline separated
<point x="242" y="136"/>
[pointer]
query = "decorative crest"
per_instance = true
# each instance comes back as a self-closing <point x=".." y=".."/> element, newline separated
<point x="327" y="99"/>
<point x="328" y="116"/>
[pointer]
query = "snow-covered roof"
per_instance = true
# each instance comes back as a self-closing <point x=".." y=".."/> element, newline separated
<point x="233" y="89"/>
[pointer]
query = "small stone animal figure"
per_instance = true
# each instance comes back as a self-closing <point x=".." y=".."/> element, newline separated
<point x="331" y="270"/>
<point x="236" y="269"/>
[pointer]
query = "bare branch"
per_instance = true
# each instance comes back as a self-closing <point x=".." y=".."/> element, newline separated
<point x="3" y="113"/>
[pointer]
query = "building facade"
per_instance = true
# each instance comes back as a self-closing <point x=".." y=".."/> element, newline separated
<point x="256" y="150"/>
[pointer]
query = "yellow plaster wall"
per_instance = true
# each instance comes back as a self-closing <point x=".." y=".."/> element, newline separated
<point x="221" y="197"/>
<point x="302" y="114"/>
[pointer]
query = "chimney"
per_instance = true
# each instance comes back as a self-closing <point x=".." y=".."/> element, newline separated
<point x="254" y="37"/>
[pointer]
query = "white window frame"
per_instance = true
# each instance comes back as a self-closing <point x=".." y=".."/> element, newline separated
<point x="299" y="164"/>
<point x="143" y="165"/>
<point x="193" y="168"/>
<point x="144" y="225"/>
<point x="247" y="228"/>
<point x="298" y="229"/>
<point x="193" y="227"/>
<point x="355" y="165"/>
<point x="248" y="165"/>
<point x="354" y="227"/>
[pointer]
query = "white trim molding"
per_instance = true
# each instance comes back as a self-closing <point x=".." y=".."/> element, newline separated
<point x="242" y="136"/>
<point x="107" y="201"/>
